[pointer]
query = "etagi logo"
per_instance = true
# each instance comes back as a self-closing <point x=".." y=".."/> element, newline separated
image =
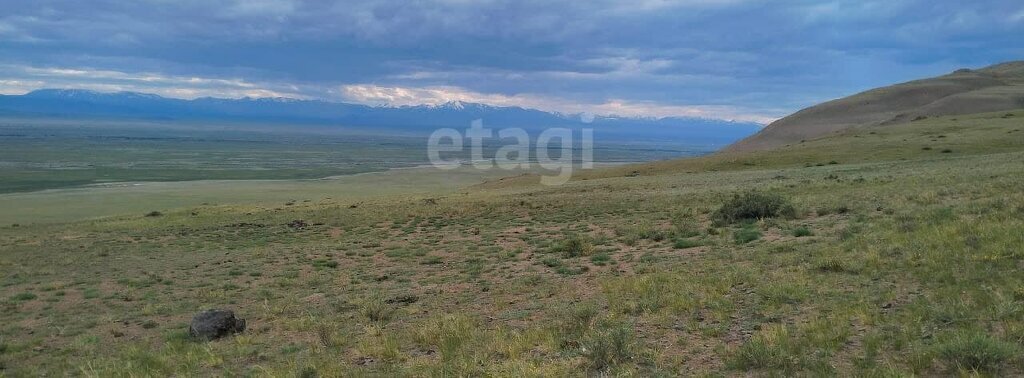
<point x="552" y="141"/>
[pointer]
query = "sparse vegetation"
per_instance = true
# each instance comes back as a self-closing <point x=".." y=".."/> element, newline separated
<point x="912" y="270"/>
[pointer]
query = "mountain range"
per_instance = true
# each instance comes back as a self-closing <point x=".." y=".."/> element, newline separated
<point x="74" y="103"/>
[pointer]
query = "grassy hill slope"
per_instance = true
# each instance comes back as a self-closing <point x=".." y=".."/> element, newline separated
<point x="897" y="259"/>
<point x="991" y="89"/>
<point x="940" y="137"/>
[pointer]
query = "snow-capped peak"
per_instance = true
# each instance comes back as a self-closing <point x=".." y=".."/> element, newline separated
<point x="454" y="105"/>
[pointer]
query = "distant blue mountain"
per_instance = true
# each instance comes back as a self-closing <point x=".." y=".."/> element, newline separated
<point x="416" y="119"/>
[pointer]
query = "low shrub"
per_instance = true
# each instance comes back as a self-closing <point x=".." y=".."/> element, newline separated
<point x="754" y="205"/>
<point x="574" y="246"/>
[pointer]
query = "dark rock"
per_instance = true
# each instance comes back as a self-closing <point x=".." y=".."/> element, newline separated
<point x="214" y="324"/>
<point x="298" y="224"/>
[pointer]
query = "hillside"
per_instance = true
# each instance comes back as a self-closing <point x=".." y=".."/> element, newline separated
<point x="900" y="257"/>
<point x="996" y="88"/>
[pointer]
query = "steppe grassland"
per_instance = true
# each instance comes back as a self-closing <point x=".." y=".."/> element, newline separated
<point x="898" y="260"/>
<point x="76" y="204"/>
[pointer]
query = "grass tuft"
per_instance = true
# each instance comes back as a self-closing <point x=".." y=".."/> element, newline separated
<point x="23" y="297"/>
<point x="832" y="265"/>
<point x="376" y="309"/>
<point x="609" y="346"/>
<point x="978" y="352"/>
<point x="746" y="235"/>
<point x="574" y="245"/>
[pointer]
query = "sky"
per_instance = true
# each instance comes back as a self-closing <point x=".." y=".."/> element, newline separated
<point x="748" y="60"/>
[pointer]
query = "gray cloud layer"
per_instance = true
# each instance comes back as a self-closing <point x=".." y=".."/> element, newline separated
<point x="743" y="59"/>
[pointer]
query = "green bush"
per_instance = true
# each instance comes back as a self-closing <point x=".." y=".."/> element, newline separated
<point x="754" y="205"/>
<point x="977" y="352"/>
